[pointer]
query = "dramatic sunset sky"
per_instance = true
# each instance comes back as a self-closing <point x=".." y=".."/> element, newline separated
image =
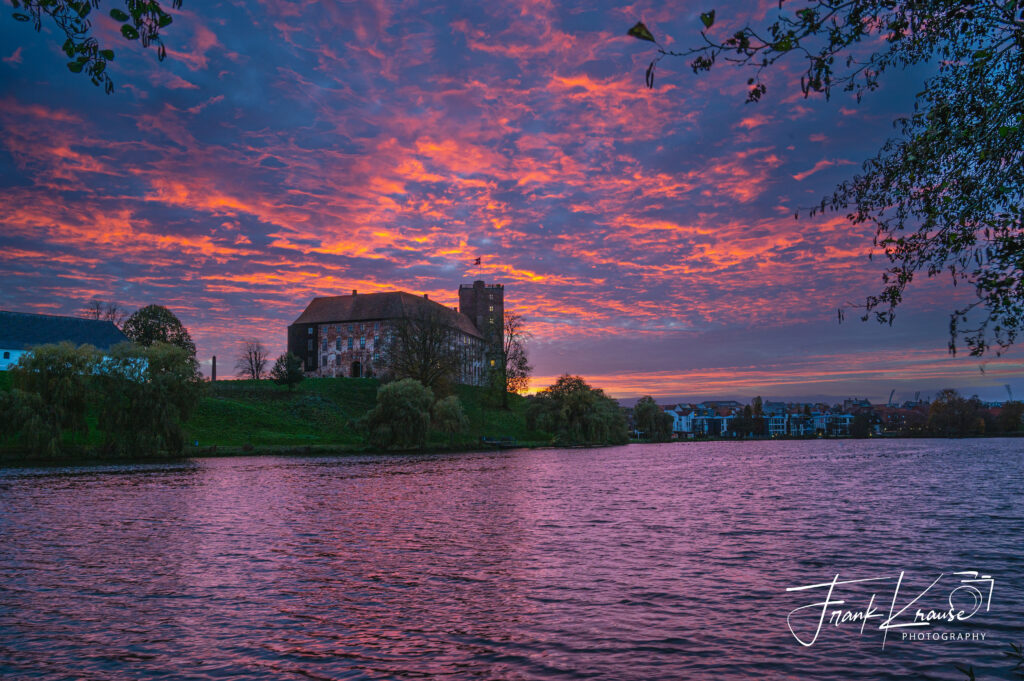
<point x="286" y="150"/>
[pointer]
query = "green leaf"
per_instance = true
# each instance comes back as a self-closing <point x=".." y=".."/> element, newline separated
<point x="118" y="15"/>
<point x="165" y="20"/>
<point x="640" y="32"/>
<point x="708" y="18"/>
<point x="74" y="67"/>
<point x="1007" y="130"/>
<point x="18" y="16"/>
<point x="107" y="54"/>
<point x="128" y="31"/>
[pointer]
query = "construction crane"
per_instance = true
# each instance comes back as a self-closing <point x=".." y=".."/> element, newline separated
<point x="891" y="395"/>
<point x="917" y="397"/>
<point x="1008" y="391"/>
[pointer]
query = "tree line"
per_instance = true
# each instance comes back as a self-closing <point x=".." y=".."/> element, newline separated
<point x="141" y="391"/>
<point x="135" y="397"/>
<point x="142" y="396"/>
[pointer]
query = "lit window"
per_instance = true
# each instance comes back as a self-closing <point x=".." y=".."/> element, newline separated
<point x="492" y="362"/>
<point x="490" y="308"/>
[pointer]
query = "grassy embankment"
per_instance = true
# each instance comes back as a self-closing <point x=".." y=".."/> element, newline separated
<point x="319" y="416"/>
<point x="320" y="413"/>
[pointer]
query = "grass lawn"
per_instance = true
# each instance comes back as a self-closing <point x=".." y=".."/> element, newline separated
<point x="320" y="413"/>
<point x="323" y="411"/>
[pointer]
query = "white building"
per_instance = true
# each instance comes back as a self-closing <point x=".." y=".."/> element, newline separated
<point x="21" y="331"/>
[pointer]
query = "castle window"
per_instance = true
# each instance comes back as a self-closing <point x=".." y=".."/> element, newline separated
<point x="376" y="326"/>
<point x="337" y="344"/>
<point x="376" y="341"/>
<point x="309" y="330"/>
<point x="337" y="360"/>
<point x="309" y="345"/>
<point x="7" y="355"/>
<point x="490" y="308"/>
<point x="362" y="343"/>
<point x="350" y="328"/>
<point x="350" y="342"/>
<point x="323" y="361"/>
<point x="324" y="344"/>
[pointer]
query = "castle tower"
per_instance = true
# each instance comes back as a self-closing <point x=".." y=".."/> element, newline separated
<point x="485" y="306"/>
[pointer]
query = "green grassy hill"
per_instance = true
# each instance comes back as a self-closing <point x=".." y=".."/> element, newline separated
<point x="321" y="412"/>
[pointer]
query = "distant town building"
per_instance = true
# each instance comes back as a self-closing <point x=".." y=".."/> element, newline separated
<point x="21" y="331"/>
<point x="346" y="336"/>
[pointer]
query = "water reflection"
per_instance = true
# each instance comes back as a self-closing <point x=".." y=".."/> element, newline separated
<point x="646" y="562"/>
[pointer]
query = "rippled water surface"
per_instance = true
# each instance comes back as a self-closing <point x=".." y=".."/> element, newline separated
<point x="641" y="562"/>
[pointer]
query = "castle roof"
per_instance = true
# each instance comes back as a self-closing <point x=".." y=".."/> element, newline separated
<point x="23" y="330"/>
<point x="380" y="306"/>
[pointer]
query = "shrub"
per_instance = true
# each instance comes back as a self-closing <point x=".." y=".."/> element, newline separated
<point x="449" y="417"/>
<point x="402" y="415"/>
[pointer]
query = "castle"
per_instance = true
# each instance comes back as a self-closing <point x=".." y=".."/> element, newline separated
<point x="349" y="335"/>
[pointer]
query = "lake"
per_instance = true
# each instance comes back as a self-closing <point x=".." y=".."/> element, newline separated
<point x="642" y="562"/>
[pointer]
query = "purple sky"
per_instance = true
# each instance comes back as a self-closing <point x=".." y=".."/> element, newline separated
<point x="292" y="149"/>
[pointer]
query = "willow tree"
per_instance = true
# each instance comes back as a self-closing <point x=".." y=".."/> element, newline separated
<point x="54" y="382"/>
<point x="945" y="194"/>
<point x="145" y="395"/>
<point x="577" y="414"/>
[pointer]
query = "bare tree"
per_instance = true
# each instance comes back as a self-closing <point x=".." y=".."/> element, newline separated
<point x="514" y="368"/>
<point x="108" y="312"/>
<point x="426" y="346"/>
<point x="252" y="360"/>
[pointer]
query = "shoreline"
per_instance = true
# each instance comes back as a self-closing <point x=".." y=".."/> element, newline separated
<point x="7" y="460"/>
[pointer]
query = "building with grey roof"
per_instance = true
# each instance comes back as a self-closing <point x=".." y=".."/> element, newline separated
<point x="21" y="331"/>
